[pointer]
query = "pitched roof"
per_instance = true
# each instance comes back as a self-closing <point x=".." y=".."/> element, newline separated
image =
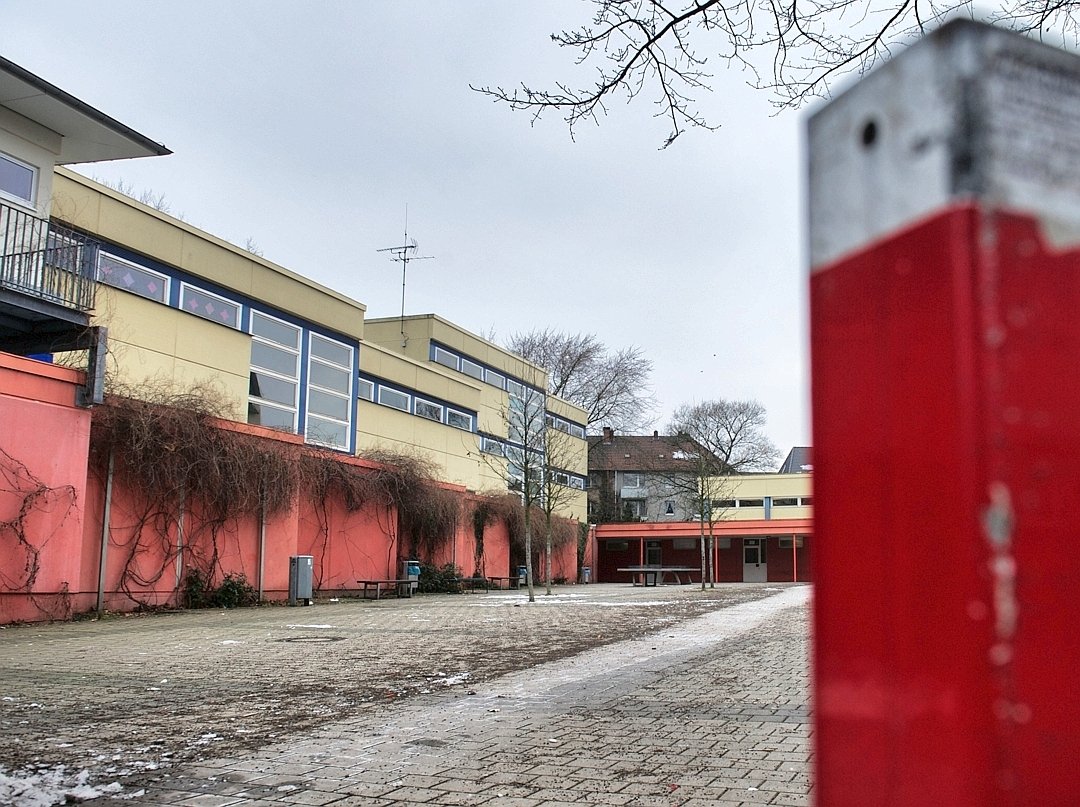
<point x="800" y="460"/>
<point x="655" y="453"/>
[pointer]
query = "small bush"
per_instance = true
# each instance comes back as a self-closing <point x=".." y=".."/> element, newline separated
<point x="233" y="592"/>
<point x="439" y="579"/>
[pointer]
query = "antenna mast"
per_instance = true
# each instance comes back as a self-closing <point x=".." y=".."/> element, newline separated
<point x="403" y="254"/>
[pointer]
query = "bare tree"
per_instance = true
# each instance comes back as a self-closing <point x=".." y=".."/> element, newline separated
<point x="561" y="453"/>
<point x="734" y="431"/>
<point x="793" y="51"/>
<point x="611" y="385"/>
<point x="520" y="459"/>
<point x="732" y="440"/>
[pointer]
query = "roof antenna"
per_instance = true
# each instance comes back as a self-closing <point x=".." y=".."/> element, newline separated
<point x="403" y="254"/>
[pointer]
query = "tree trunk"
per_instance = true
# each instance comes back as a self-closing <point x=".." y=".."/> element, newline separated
<point x="547" y="557"/>
<point x="528" y="556"/>
<point x="704" y="561"/>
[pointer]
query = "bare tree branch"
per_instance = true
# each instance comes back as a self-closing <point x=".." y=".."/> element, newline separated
<point x="611" y="386"/>
<point x="793" y="50"/>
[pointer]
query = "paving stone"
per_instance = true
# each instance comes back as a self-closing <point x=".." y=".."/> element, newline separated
<point x="706" y="709"/>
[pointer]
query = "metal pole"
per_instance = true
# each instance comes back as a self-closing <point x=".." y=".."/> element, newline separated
<point x="180" y="546"/>
<point x="105" y="519"/>
<point x="262" y="546"/>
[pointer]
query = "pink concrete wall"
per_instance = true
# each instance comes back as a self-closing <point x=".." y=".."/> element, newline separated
<point x="44" y="446"/>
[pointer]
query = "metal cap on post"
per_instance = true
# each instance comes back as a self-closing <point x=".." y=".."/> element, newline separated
<point x="969" y="112"/>
<point x="944" y="213"/>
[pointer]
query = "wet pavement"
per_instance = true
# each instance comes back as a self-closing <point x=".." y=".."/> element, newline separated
<point x="600" y="694"/>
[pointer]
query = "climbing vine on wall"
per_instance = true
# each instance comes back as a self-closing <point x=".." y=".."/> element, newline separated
<point x="31" y="512"/>
<point x="186" y="467"/>
<point x="24" y="496"/>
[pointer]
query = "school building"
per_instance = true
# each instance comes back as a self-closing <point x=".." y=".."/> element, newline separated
<point x="141" y="303"/>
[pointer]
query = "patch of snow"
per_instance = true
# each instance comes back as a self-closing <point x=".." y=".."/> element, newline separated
<point x="231" y="641"/>
<point x="311" y="626"/>
<point x="48" y="787"/>
<point x="450" y="680"/>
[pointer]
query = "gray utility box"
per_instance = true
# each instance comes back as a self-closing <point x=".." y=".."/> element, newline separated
<point x="301" y="569"/>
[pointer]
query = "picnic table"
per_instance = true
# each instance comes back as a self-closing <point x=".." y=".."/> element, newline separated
<point x="401" y="587"/>
<point x="654" y="575"/>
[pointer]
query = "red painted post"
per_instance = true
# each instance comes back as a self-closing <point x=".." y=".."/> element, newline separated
<point x="944" y="207"/>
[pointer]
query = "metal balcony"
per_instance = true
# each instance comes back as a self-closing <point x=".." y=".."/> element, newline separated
<point x="47" y="284"/>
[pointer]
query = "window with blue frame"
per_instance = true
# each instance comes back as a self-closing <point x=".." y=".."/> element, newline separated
<point x="274" y="380"/>
<point x="329" y="395"/>
<point x="125" y="275"/>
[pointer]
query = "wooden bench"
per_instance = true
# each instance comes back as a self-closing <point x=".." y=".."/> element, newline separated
<point x="400" y="588"/>
<point x="466" y="584"/>
<point x="512" y="581"/>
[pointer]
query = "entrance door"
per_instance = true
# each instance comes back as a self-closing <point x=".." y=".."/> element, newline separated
<point x="754" y="569"/>
<point x="652" y="553"/>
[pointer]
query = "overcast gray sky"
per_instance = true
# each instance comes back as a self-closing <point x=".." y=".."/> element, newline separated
<point x="308" y="127"/>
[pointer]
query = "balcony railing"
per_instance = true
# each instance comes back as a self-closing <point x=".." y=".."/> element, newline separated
<point x="46" y="261"/>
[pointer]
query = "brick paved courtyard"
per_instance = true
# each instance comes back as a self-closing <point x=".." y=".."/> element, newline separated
<point x="629" y="696"/>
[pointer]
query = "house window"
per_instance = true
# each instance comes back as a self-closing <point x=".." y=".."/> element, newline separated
<point x="577" y="431"/>
<point x="577" y="482"/>
<point x="722" y="504"/>
<point x="495" y="379"/>
<point x="806" y="500"/>
<point x="329" y="399"/>
<point x="683" y="544"/>
<point x="669" y="508"/>
<point x="616" y="546"/>
<point x="723" y="543"/>
<point x="471" y="368"/>
<point x="209" y="306"/>
<point x="365" y="389"/>
<point x="634" y="507"/>
<point x="121" y="274"/>
<point x="459" y="420"/>
<point x="446" y="358"/>
<point x="489" y="446"/>
<point x="515" y="388"/>
<point x="633" y="480"/>
<point x="17" y="179"/>
<point x="789" y="501"/>
<point x="785" y="543"/>
<point x="426" y="409"/>
<point x="274" y="379"/>
<point x="751" y="502"/>
<point x="391" y="397"/>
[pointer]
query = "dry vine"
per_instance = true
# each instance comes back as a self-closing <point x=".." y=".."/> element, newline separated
<point x="172" y="452"/>
<point x="32" y="496"/>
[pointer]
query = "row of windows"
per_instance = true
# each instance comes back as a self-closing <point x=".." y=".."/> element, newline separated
<point x="294" y="372"/>
<point x="722" y="542"/>
<point x="777" y="501"/>
<point x="473" y="369"/>
<point x="492" y="445"/>
<point x="414" y="404"/>
<point x="559" y="424"/>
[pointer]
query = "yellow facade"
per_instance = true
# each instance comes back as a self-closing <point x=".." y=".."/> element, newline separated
<point x="742" y="498"/>
<point x="450" y="415"/>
